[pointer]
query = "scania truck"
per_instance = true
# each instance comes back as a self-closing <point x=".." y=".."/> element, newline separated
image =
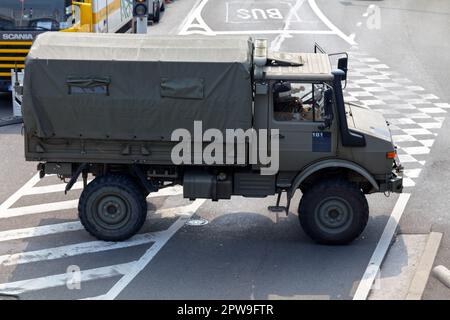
<point x="22" y="21"/>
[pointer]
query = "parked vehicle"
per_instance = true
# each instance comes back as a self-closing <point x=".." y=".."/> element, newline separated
<point x="155" y="10"/>
<point x="22" y="21"/>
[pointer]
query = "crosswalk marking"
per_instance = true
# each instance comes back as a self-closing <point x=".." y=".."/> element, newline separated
<point x="22" y="286"/>
<point x="90" y="246"/>
<point x="40" y="231"/>
<point x="150" y="254"/>
<point x="156" y="240"/>
<point x="73" y="250"/>
<point x="39" y="208"/>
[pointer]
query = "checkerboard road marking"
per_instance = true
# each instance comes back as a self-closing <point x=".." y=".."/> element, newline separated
<point x="415" y="115"/>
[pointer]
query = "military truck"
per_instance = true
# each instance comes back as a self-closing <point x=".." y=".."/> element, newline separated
<point x="114" y="107"/>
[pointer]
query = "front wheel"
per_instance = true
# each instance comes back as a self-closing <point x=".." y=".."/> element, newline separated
<point x="333" y="212"/>
<point x="112" y="208"/>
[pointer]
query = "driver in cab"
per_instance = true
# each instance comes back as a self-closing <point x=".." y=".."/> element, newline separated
<point x="288" y="106"/>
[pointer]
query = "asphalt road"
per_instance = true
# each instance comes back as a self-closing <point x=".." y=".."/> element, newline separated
<point x="244" y="251"/>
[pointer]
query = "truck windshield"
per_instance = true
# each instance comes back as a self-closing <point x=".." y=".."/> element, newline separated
<point x="35" y="15"/>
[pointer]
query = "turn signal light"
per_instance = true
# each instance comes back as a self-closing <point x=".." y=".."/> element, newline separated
<point x="391" y="155"/>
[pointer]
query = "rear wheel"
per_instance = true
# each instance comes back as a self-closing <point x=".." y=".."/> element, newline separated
<point x="112" y="208"/>
<point x="333" y="212"/>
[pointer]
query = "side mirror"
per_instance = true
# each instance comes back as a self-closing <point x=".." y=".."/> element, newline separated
<point x="328" y="109"/>
<point x="343" y="65"/>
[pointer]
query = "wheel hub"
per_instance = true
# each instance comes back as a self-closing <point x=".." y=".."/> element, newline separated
<point x="334" y="214"/>
<point x="111" y="212"/>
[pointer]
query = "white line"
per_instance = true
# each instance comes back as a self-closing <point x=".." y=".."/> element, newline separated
<point x="149" y="255"/>
<point x="19" y="193"/>
<point x="74" y="226"/>
<point x="19" y="287"/>
<point x="40" y="231"/>
<point x="378" y="255"/>
<point x="278" y="41"/>
<point x="76" y="250"/>
<point x="227" y="5"/>
<point x="186" y="21"/>
<point x="329" y="24"/>
<point x="87" y="247"/>
<point x="196" y="14"/>
<point x="39" y="208"/>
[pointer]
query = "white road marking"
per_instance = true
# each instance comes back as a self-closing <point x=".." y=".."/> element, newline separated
<point x="383" y="245"/>
<point x="39" y="208"/>
<point x="149" y="255"/>
<point x="19" y="193"/>
<point x="19" y="287"/>
<point x="87" y="247"/>
<point x="40" y="231"/>
<point x="195" y="21"/>
<point x="195" y="24"/>
<point x="329" y="24"/>
<point x="278" y="41"/>
<point x="75" y="250"/>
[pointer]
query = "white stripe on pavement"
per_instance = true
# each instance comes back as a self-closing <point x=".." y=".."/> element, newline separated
<point x="329" y="24"/>
<point x="75" y="250"/>
<point x="39" y="208"/>
<point x="92" y="246"/>
<point x="149" y="255"/>
<point x="365" y="285"/>
<point x="40" y="231"/>
<point x="19" y="287"/>
<point x="19" y="193"/>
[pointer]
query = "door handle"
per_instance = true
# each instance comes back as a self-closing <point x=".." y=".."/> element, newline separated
<point x="278" y="135"/>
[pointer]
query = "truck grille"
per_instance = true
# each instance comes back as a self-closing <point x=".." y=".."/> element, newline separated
<point x="12" y="55"/>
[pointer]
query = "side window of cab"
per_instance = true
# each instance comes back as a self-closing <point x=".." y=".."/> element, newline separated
<point x="300" y="102"/>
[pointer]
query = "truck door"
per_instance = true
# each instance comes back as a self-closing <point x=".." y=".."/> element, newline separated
<point x="297" y="111"/>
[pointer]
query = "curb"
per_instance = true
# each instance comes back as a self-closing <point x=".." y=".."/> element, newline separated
<point x="423" y="269"/>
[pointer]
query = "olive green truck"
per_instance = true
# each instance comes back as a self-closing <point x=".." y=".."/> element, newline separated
<point x="220" y="116"/>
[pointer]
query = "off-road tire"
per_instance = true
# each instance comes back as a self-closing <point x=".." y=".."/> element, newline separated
<point x="333" y="212"/>
<point x="112" y="208"/>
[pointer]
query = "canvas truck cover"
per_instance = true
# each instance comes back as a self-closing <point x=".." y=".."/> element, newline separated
<point x="135" y="87"/>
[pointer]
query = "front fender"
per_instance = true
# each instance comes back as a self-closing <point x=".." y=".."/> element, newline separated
<point x="331" y="163"/>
